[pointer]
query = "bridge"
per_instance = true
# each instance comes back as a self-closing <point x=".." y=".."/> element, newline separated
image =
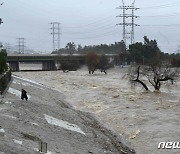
<point x="48" y="61"/>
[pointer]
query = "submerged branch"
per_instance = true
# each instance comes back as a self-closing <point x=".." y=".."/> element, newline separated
<point x="139" y="81"/>
<point x="142" y="83"/>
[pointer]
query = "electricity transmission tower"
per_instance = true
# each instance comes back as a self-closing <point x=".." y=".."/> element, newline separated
<point x="56" y="35"/>
<point x="128" y="20"/>
<point x="21" y="45"/>
<point x="7" y="47"/>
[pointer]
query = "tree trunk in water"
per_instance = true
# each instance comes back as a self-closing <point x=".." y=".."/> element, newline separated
<point x="142" y="83"/>
<point x="139" y="81"/>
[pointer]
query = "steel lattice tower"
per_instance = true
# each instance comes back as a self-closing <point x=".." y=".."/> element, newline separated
<point x="56" y="35"/>
<point x="21" y="45"/>
<point x="128" y="34"/>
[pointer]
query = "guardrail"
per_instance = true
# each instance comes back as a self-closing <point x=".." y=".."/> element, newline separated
<point x="4" y="81"/>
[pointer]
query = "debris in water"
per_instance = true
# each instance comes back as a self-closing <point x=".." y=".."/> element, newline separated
<point x="17" y="141"/>
<point x="115" y="96"/>
<point x="134" y="134"/>
<point x="2" y="132"/>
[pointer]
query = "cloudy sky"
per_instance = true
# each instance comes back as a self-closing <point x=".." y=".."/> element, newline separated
<point x="87" y="22"/>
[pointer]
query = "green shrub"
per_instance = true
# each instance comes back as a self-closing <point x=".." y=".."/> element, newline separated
<point x="3" y="61"/>
<point x="71" y="65"/>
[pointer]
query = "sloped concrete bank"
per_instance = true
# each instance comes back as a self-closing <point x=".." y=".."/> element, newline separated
<point x="47" y="117"/>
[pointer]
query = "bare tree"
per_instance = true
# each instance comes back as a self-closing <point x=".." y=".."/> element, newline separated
<point x="156" y="75"/>
<point x="159" y="74"/>
<point x="136" y="78"/>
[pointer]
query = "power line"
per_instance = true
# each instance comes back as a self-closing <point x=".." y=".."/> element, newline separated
<point x="91" y="24"/>
<point x="162" y="6"/>
<point x="163" y="16"/>
<point x="96" y="30"/>
<point x="99" y="36"/>
<point x="166" y="25"/>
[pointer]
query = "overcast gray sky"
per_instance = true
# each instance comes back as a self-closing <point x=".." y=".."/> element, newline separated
<point x="87" y="22"/>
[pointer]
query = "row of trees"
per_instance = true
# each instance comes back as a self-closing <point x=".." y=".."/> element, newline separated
<point x="144" y="53"/>
<point x="71" y="48"/>
<point x="139" y="53"/>
<point x="93" y="61"/>
<point x="148" y="52"/>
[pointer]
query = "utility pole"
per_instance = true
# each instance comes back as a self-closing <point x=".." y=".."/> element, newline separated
<point x="56" y="35"/>
<point x="128" y="34"/>
<point x="21" y="45"/>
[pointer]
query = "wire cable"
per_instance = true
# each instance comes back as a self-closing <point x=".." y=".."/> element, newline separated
<point x="162" y="6"/>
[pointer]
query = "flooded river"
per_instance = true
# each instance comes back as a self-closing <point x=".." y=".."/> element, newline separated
<point x="142" y="118"/>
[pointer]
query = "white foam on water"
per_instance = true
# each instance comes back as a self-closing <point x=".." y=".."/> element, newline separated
<point x="2" y="130"/>
<point x="8" y="116"/>
<point x="173" y="101"/>
<point x="16" y="92"/>
<point x="8" y="102"/>
<point x="63" y="124"/>
<point x="17" y="141"/>
<point x="3" y="108"/>
<point x="34" y="124"/>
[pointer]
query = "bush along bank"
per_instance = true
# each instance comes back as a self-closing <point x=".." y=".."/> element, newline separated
<point x="5" y="78"/>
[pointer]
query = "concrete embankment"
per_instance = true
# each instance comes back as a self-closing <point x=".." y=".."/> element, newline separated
<point x="46" y="117"/>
